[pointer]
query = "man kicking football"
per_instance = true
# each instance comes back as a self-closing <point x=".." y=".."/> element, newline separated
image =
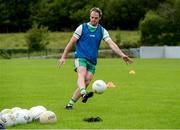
<point x="87" y="38"/>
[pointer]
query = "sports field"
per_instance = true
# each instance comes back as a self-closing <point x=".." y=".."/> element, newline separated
<point x="148" y="99"/>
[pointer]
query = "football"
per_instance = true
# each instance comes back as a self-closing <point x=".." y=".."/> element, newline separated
<point x="47" y="117"/>
<point x="6" y="111"/>
<point x="99" y="86"/>
<point x="28" y="116"/>
<point x="37" y="111"/>
<point x="20" y="116"/>
<point x="14" y="109"/>
<point x="8" y="119"/>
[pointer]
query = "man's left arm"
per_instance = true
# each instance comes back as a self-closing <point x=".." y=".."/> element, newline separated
<point x="118" y="51"/>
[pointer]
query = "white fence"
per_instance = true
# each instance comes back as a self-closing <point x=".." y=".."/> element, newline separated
<point x="160" y="52"/>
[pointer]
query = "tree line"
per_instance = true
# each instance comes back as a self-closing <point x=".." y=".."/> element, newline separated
<point x="64" y="15"/>
<point x="158" y="20"/>
<point x="162" y="26"/>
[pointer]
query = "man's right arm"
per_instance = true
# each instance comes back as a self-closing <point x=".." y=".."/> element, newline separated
<point x="71" y="43"/>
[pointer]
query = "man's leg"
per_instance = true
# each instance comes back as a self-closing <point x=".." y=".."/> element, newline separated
<point x="81" y="90"/>
<point x="81" y="73"/>
<point x="91" y="68"/>
<point x="74" y="99"/>
<point x="85" y="71"/>
<point x="77" y="94"/>
<point x="89" y="77"/>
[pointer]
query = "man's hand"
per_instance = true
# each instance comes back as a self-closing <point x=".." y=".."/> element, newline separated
<point x="62" y="61"/>
<point x="127" y="59"/>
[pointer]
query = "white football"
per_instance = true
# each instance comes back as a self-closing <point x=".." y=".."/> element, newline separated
<point x="1" y="122"/>
<point x="15" y="109"/>
<point x="28" y="116"/>
<point x="6" y="111"/>
<point x="0" y="115"/>
<point x="99" y="86"/>
<point x="47" y="117"/>
<point x="38" y="107"/>
<point x="37" y="111"/>
<point x="8" y="119"/>
<point x="21" y="117"/>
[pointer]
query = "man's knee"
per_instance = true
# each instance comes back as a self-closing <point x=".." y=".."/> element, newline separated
<point x="88" y="78"/>
<point x="87" y="81"/>
<point x="81" y="71"/>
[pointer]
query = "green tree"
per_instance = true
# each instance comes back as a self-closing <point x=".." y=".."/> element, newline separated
<point x="151" y="27"/>
<point x="14" y="15"/>
<point x="50" y="13"/>
<point x="59" y="15"/>
<point x="37" y="38"/>
<point x="162" y="27"/>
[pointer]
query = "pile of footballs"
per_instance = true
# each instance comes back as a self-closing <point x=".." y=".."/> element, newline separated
<point x="17" y="116"/>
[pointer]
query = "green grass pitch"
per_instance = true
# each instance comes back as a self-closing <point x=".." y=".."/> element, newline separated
<point x="148" y="99"/>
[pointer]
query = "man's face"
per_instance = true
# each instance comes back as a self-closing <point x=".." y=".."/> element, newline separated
<point x="94" y="18"/>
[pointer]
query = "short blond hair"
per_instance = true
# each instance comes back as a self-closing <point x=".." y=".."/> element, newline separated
<point x="96" y="9"/>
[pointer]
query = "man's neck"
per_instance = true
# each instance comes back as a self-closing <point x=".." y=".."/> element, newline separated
<point x="93" y="26"/>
